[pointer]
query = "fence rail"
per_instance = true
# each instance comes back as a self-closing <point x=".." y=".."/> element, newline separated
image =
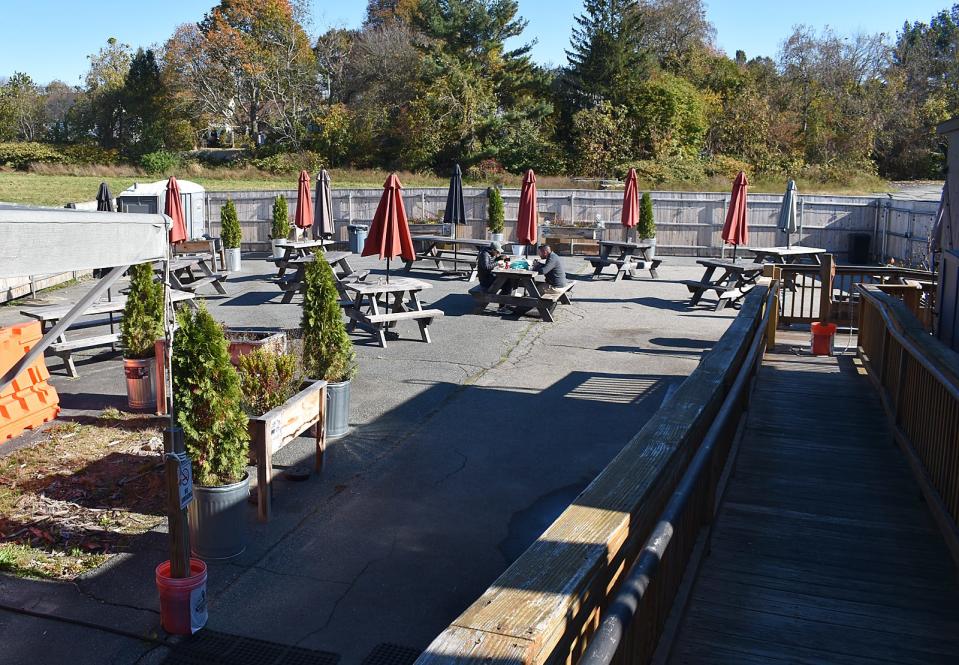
<point x="648" y="505"/>
<point x="918" y="382"/>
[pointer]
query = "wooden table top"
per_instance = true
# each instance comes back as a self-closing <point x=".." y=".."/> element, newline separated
<point x="379" y="284"/>
<point x="625" y="243"/>
<point x="473" y="242"/>
<point x="736" y="266"/>
<point x="56" y="312"/>
<point x="304" y="244"/>
<point x="514" y="271"/>
<point x="786" y="251"/>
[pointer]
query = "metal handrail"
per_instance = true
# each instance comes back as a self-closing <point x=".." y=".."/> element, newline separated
<point x="949" y="382"/>
<point x="620" y="613"/>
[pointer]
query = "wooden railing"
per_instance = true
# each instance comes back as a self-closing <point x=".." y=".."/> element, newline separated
<point x="645" y="512"/>
<point x="828" y="292"/>
<point x="917" y="377"/>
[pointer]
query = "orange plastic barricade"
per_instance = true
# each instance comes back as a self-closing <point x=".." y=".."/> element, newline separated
<point x="29" y="401"/>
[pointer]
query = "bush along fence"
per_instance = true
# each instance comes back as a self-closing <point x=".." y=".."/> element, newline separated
<point x="687" y="223"/>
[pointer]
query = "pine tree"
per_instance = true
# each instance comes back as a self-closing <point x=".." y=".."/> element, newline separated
<point x="230" y="226"/>
<point x="606" y="60"/>
<point x="327" y="349"/>
<point x="496" y="222"/>
<point x="281" y="219"/>
<point x="647" y="224"/>
<point x="142" y="322"/>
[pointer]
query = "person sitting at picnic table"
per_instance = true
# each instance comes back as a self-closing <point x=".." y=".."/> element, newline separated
<point x="551" y="268"/>
<point x="488" y="259"/>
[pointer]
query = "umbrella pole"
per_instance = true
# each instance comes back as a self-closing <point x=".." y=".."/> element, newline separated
<point x="387" y="271"/>
<point x="787" y="239"/>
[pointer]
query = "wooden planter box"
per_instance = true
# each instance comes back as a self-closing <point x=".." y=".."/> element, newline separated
<point x="244" y="341"/>
<point x="276" y="428"/>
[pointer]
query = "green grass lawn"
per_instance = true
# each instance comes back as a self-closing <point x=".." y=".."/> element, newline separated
<point x="52" y="189"/>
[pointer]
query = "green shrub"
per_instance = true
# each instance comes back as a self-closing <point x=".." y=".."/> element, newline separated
<point x="646" y="228"/>
<point x="22" y="155"/>
<point x="208" y="401"/>
<point x="89" y="153"/>
<point x="727" y="167"/>
<point x="161" y="162"/>
<point x="267" y="379"/>
<point x="142" y="322"/>
<point x="230" y="226"/>
<point x="289" y="162"/>
<point x="327" y="349"/>
<point x="281" y="219"/>
<point x="496" y="217"/>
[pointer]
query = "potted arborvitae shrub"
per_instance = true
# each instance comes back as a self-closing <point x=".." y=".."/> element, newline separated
<point x="646" y="229"/>
<point x="231" y="235"/>
<point x="208" y="404"/>
<point x="141" y="326"/>
<point x="327" y="349"/>
<point x="281" y="225"/>
<point x="496" y="218"/>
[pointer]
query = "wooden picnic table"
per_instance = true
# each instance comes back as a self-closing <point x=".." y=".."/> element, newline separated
<point x="184" y="270"/>
<point x="64" y="348"/>
<point x="627" y="257"/>
<point x="377" y="305"/>
<point x="736" y="280"/>
<point x="510" y="280"/>
<point x="294" y="283"/>
<point x="811" y="255"/>
<point x="297" y="249"/>
<point x="435" y="249"/>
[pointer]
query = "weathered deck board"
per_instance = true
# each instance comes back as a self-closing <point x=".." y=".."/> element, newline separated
<point x="822" y="551"/>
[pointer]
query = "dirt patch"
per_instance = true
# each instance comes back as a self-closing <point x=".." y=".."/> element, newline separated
<point x="81" y="493"/>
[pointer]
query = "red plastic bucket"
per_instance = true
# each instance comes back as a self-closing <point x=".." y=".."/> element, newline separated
<point x="822" y="334"/>
<point x="182" y="600"/>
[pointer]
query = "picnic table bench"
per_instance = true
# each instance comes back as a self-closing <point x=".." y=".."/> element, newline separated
<point x="64" y="347"/>
<point x="443" y="250"/>
<point x="378" y="305"/>
<point x="736" y="280"/>
<point x="297" y="249"/>
<point x="628" y="257"/>
<point x="184" y="269"/>
<point x="292" y="284"/>
<point x="511" y="280"/>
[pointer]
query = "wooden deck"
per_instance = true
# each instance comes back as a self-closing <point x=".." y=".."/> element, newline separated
<point x="822" y="551"/>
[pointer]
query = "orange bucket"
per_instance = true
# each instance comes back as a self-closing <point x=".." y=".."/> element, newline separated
<point x="182" y="600"/>
<point x="822" y="336"/>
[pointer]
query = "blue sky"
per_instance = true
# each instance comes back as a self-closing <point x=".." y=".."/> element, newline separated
<point x="51" y="38"/>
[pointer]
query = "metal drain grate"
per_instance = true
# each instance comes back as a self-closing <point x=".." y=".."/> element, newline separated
<point x="392" y="654"/>
<point x="209" y="647"/>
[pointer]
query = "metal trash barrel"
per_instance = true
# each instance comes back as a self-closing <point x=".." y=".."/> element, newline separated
<point x="357" y="237"/>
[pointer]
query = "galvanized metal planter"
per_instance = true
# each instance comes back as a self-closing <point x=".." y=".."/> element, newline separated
<point x="278" y="249"/>
<point x="233" y="263"/>
<point x="141" y="379"/>
<point x="218" y="520"/>
<point x="338" y="409"/>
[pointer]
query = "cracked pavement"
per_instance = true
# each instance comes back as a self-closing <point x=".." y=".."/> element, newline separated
<point x="456" y="448"/>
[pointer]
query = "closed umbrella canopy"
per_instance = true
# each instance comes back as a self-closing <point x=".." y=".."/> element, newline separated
<point x="389" y="234"/>
<point x="304" y="203"/>
<point x="630" y="217"/>
<point x="528" y="212"/>
<point x="174" y="210"/>
<point x="787" y="213"/>
<point x="455" y="212"/>
<point x="736" y="230"/>
<point x="323" y="216"/>
<point x="105" y="199"/>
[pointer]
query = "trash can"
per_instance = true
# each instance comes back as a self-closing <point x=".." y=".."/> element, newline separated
<point x="822" y="337"/>
<point x="859" y="248"/>
<point x="357" y="237"/>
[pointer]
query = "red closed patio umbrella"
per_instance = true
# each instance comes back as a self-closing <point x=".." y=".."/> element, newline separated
<point x="630" y="216"/>
<point x="528" y="212"/>
<point x="736" y="229"/>
<point x="173" y="208"/>
<point x="389" y="234"/>
<point x="304" y="203"/>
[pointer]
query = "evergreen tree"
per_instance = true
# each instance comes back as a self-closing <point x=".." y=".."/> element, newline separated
<point x="496" y="222"/>
<point x="230" y="226"/>
<point x="143" y="99"/>
<point x="327" y="349"/>
<point x="647" y="224"/>
<point x="281" y="219"/>
<point x="606" y="60"/>
<point x="142" y="322"/>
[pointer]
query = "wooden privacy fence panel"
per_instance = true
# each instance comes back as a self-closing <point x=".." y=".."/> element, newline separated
<point x="546" y="605"/>
<point x="917" y="377"/>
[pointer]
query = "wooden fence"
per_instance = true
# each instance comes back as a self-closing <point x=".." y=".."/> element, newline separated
<point x="917" y="377"/>
<point x="648" y="505"/>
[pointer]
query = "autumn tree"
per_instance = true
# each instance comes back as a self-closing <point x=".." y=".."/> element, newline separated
<point x="22" y="108"/>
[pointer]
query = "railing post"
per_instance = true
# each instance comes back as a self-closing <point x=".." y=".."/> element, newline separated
<point x="774" y="273"/>
<point x="826" y="274"/>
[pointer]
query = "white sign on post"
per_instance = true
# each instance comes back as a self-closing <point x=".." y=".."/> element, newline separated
<point x="184" y="478"/>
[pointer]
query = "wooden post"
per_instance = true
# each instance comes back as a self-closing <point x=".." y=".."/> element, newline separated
<point x="826" y="274"/>
<point x="178" y="520"/>
<point x="320" y="430"/>
<point x="159" y="351"/>
<point x="774" y="273"/>
<point x="263" y="452"/>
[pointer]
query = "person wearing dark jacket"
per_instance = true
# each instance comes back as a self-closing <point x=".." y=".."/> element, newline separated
<point x="550" y="267"/>
<point x="488" y="259"/>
